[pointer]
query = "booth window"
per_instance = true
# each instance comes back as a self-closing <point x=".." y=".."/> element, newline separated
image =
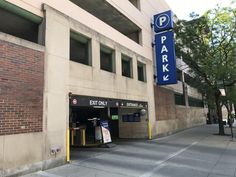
<point x="126" y="66"/>
<point x="141" y="72"/>
<point x="107" y="61"/>
<point x="80" y="49"/>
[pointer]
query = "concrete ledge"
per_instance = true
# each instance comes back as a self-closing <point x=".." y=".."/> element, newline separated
<point x="52" y="163"/>
<point x="161" y="135"/>
<point x="23" y="170"/>
<point x="21" y="42"/>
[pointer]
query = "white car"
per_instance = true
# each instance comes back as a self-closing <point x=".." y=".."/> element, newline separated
<point x="226" y="122"/>
<point x="234" y="124"/>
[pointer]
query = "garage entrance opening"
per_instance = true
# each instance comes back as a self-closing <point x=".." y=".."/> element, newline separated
<point x="86" y="120"/>
<point x="98" y="122"/>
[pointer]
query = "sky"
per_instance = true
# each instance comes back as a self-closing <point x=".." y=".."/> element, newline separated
<point x="182" y="8"/>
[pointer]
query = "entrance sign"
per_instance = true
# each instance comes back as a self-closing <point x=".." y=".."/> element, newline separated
<point x="88" y="101"/>
<point x="163" y="21"/>
<point x="106" y="135"/>
<point x="165" y="58"/>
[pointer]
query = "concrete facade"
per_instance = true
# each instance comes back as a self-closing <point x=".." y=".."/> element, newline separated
<point x="62" y="76"/>
<point x="170" y="117"/>
<point x="185" y="118"/>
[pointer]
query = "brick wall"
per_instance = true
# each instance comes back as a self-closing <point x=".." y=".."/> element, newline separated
<point x="21" y="89"/>
<point x="164" y="104"/>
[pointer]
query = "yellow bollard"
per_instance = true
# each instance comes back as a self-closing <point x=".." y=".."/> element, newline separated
<point x="72" y="137"/>
<point x="83" y="137"/>
<point x="149" y="130"/>
<point x="68" y="145"/>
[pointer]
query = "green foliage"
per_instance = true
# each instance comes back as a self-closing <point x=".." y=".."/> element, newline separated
<point x="231" y="94"/>
<point x="207" y="45"/>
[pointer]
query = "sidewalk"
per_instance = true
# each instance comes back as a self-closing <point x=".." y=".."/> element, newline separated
<point x="192" y="153"/>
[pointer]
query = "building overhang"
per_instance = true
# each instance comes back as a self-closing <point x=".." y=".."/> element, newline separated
<point x="104" y="11"/>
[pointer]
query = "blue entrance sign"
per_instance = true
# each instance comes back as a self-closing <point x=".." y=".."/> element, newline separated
<point x="165" y="58"/>
<point x="163" y="21"/>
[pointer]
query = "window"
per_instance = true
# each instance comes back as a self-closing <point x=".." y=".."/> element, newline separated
<point x="194" y="102"/>
<point x="141" y="72"/>
<point x="19" y="23"/>
<point x="179" y="75"/>
<point x="107" y="59"/>
<point x="126" y="63"/>
<point x="179" y="99"/>
<point x="80" y="49"/>
<point x="136" y="3"/>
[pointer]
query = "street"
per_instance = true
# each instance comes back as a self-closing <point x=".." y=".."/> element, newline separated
<point x="195" y="152"/>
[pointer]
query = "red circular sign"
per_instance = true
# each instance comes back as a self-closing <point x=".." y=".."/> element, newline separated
<point x="74" y="101"/>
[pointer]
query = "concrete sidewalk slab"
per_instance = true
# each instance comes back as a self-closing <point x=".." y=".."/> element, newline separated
<point x="195" y="152"/>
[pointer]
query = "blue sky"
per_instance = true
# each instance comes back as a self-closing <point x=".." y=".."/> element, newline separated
<point x="182" y="8"/>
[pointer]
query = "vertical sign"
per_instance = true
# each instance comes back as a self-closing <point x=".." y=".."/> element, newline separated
<point x="164" y="47"/>
<point x="165" y="58"/>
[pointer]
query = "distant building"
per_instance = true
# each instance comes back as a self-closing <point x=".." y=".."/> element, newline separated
<point x="63" y="63"/>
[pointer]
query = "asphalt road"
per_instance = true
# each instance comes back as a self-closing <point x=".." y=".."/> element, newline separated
<point x="195" y="152"/>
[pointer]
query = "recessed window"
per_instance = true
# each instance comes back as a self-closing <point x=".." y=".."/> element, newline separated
<point x="194" y="102"/>
<point x="179" y="99"/>
<point x="179" y="75"/>
<point x="107" y="61"/>
<point x="126" y="63"/>
<point x="136" y="3"/>
<point x="141" y="72"/>
<point x="17" y="24"/>
<point x="80" y="49"/>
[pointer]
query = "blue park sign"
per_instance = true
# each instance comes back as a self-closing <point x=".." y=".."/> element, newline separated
<point x="164" y="48"/>
<point x="165" y="58"/>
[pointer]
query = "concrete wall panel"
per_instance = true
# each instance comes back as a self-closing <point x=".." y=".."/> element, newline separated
<point x="22" y="149"/>
<point x="185" y="118"/>
<point x="1" y="154"/>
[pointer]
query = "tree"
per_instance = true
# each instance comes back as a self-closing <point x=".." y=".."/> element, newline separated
<point x="207" y="45"/>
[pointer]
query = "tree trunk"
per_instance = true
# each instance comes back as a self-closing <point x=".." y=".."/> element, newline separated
<point x="229" y="107"/>
<point x="235" y="110"/>
<point x="219" y="113"/>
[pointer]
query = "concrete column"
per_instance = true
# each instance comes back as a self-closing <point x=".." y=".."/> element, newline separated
<point x="151" y="100"/>
<point x="56" y="99"/>
<point x="118" y="62"/>
<point x="95" y="54"/>
<point x="1" y="154"/>
<point x="135" y="69"/>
